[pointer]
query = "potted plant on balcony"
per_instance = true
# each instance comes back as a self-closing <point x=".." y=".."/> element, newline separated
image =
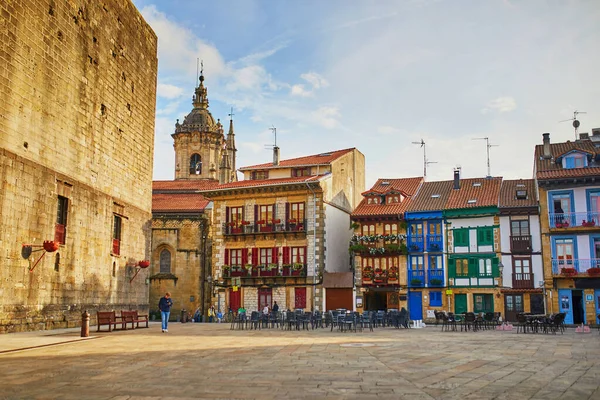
<point x="563" y="224"/>
<point x="367" y="273"/>
<point x="588" y="223"/>
<point x="378" y="275"/>
<point x="297" y="269"/>
<point x="358" y="248"/>
<point x="568" y="271"/>
<point x="393" y="273"/>
<point x="226" y="270"/>
<point x="277" y="221"/>
<point x="434" y="247"/>
<point x="594" y="271"/>
<point x="435" y="282"/>
<point x="416" y="282"/>
<point x="414" y="247"/>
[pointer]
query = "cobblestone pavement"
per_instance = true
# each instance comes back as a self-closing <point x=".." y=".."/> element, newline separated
<point x="210" y="361"/>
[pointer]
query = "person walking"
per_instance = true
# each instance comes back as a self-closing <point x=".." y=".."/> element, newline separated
<point x="164" y="305"/>
<point x="275" y="307"/>
<point x="211" y="314"/>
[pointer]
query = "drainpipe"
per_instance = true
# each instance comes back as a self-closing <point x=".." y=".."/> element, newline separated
<point x="314" y="244"/>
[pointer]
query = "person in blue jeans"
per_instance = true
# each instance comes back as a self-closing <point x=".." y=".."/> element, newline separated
<point x="164" y="305"/>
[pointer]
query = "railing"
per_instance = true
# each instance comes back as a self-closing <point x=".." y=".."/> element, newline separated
<point x="435" y="277"/>
<point x="578" y="265"/>
<point x="242" y="229"/>
<point x="415" y="243"/>
<point x="574" y="219"/>
<point x="262" y="272"/>
<point x="416" y="278"/>
<point x="520" y="244"/>
<point x="522" y="281"/>
<point x="434" y="243"/>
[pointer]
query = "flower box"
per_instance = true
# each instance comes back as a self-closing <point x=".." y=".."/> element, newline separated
<point x="261" y="222"/>
<point x="594" y="271"/>
<point x="276" y="221"/>
<point x="232" y="224"/>
<point x="266" y="228"/>
<point x="564" y="224"/>
<point x="568" y="271"/>
<point x="292" y="221"/>
<point x="416" y="282"/>
<point x="245" y="223"/>
<point x="588" y="223"/>
<point x="236" y="230"/>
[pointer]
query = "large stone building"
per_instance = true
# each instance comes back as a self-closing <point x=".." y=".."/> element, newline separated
<point x="78" y="84"/>
<point x="282" y="230"/>
<point x="181" y="217"/>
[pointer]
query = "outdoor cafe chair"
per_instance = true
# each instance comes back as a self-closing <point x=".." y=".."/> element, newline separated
<point x="255" y="320"/>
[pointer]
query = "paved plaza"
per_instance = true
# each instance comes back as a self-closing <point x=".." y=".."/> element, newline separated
<point x="211" y="361"/>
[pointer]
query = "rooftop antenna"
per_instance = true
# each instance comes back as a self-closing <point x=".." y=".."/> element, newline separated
<point x="425" y="161"/>
<point x="197" y="67"/>
<point x="487" y="145"/>
<point x="576" y="122"/>
<point x="274" y="130"/>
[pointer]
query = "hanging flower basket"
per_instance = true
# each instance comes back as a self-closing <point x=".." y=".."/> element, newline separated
<point x="594" y="271"/>
<point x="51" y="246"/>
<point x="144" y="264"/>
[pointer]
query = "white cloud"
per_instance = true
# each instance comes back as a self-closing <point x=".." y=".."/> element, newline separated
<point x="501" y="105"/>
<point x="327" y="116"/>
<point x="316" y="80"/>
<point x="298" y="90"/>
<point x="168" y="91"/>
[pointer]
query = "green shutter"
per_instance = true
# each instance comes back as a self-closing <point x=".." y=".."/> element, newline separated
<point x="461" y="237"/>
<point x="485" y="236"/>
<point x="495" y="269"/>
<point x="451" y="268"/>
<point x="480" y="237"/>
<point x="473" y="267"/>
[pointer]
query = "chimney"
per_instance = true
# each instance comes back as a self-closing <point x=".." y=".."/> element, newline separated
<point x="275" y="155"/>
<point x="457" y="178"/>
<point x="584" y="136"/>
<point x="547" y="153"/>
<point x="595" y="131"/>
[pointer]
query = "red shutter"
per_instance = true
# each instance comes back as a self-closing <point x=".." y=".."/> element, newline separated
<point x="275" y="260"/>
<point x="287" y="212"/>
<point x="255" y="213"/>
<point x="305" y="255"/>
<point x="227" y="256"/>
<point x="244" y="256"/>
<point x="286" y="255"/>
<point x="255" y="256"/>
<point x="226" y="215"/>
<point x="274" y="216"/>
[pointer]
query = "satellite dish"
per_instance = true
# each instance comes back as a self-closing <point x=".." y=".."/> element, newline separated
<point x="576" y="124"/>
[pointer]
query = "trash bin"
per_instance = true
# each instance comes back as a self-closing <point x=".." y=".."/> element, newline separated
<point x="184" y="316"/>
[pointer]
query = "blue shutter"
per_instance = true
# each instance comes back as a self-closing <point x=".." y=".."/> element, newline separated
<point x="570" y="162"/>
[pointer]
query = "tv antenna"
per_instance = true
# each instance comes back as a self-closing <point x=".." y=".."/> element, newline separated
<point x="425" y="161"/>
<point x="576" y="122"/>
<point x="487" y="145"/>
<point x="271" y="146"/>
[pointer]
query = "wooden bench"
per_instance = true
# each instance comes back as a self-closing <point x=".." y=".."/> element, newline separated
<point x="108" y="318"/>
<point x="134" y="318"/>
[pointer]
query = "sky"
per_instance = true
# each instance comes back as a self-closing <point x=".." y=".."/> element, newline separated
<point x="380" y="75"/>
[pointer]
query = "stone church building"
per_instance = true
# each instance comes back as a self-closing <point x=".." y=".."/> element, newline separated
<point x="78" y="84"/>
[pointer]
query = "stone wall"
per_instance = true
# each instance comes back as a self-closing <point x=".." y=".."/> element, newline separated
<point x="78" y="83"/>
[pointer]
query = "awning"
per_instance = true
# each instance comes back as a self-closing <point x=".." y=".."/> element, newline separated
<point x="338" y="280"/>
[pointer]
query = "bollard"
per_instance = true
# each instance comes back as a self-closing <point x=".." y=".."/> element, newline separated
<point x="85" y="324"/>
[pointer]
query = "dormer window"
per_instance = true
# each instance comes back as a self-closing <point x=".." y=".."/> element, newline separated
<point x="574" y="160"/>
<point x="435" y="196"/>
<point x="258" y="175"/>
<point x="472" y="201"/>
<point x="301" y="172"/>
<point x="521" y="194"/>
<point x="393" y="199"/>
<point x="477" y="184"/>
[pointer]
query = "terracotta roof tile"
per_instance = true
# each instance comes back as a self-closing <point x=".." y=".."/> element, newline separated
<point x="266" y="182"/>
<point x="178" y="202"/>
<point x="409" y="186"/>
<point x="508" y="197"/>
<point x="316" y="159"/>
<point x="547" y="168"/>
<point x="184" y="185"/>
<point x="424" y="200"/>
<point x="485" y="195"/>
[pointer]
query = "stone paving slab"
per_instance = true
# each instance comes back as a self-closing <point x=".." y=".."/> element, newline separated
<point x="210" y="361"/>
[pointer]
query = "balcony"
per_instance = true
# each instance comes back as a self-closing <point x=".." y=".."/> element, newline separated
<point x="520" y="244"/>
<point x="255" y="271"/>
<point x="380" y="276"/>
<point x="435" y="277"/>
<point x="416" y="278"/>
<point x="434" y="243"/>
<point x="573" y="220"/>
<point x="523" y="281"/>
<point x="415" y="243"/>
<point x="576" y="267"/>
<point x="245" y="228"/>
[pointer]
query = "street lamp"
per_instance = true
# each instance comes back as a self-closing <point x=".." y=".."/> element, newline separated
<point x="501" y="270"/>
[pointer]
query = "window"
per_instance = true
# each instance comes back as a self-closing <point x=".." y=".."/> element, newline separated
<point x="461" y="237"/>
<point x="368" y="229"/>
<point x="297" y="212"/>
<point x="416" y="229"/>
<point x="257" y="175"/>
<point x="522" y="266"/>
<point x="575" y="161"/>
<point x="165" y="262"/>
<point x="485" y="236"/>
<point x="485" y="267"/>
<point x="416" y="262"/>
<point x="116" y="242"/>
<point x="435" y="228"/>
<point x="266" y="256"/>
<point x="435" y="262"/>
<point x="195" y="164"/>
<point x="519" y="227"/>
<point x="390" y="229"/>
<point x="373" y="200"/>
<point x="60" y="230"/>
<point x="462" y="267"/>
<point x="236" y="215"/>
<point x="265" y="213"/>
<point x="298" y="255"/>
<point x="435" y="299"/>
<point x="301" y="171"/>
<point x="564" y="250"/>
<point x="594" y="205"/>
<point x="235" y="257"/>
<point x="483" y="303"/>
<point x="561" y="202"/>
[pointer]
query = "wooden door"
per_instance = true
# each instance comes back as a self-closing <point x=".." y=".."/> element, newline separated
<point x="513" y="304"/>
<point x="264" y="298"/>
<point x="300" y="298"/>
<point x="338" y="298"/>
<point x="536" y="302"/>
<point x="235" y="299"/>
<point x="415" y="305"/>
<point x="564" y="304"/>
<point x="460" y="303"/>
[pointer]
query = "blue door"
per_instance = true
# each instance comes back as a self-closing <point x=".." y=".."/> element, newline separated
<point x="565" y="304"/>
<point x="415" y="305"/>
<point x="597" y="296"/>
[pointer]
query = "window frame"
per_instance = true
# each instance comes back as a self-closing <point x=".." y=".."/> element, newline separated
<point x="60" y="228"/>
<point x="195" y="164"/>
<point x="435" y="298"/>
<point x="456" y="235"/>
<point x="117" y="234"/>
